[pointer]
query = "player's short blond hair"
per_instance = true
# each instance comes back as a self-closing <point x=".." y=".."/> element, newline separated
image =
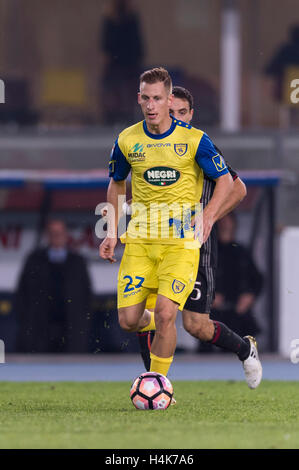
<point x="157" y="74"/>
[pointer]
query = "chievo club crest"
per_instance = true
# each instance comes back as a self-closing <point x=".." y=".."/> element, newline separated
<point x="177" y="286"/>
<point x="180" y="149"/>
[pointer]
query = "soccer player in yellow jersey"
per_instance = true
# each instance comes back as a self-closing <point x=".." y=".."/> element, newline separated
<point x="167" y="159"/>
<point x="196" y="313"/>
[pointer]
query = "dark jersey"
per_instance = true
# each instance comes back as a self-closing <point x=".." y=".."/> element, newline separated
<point x="209" y="250"/>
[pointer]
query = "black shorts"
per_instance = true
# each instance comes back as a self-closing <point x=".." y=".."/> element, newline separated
<point x="201" y="298"/>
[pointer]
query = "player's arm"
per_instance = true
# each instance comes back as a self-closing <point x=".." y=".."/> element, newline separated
<point x="213" y="165"/>
<point x="115" y="190"/>
<point x="221" y="196"/>
<point x="237" y="195"/>
<point x="119" y="169"/>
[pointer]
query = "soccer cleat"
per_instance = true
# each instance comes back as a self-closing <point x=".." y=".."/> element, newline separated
<point x="252" y="365"/>
<point x="173" y="401"/>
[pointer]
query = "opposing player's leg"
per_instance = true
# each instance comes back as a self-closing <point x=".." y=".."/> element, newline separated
<point x="200" y="326"/>
<point x="145" y="340"/>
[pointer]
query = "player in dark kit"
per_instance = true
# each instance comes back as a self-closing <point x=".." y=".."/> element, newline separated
<point x="196" y="313"/>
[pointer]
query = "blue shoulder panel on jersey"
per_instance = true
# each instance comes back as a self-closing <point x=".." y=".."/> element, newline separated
<point x="181" y="123"/>
<point x="209" y="159"/>
<point x="119" y="168"/>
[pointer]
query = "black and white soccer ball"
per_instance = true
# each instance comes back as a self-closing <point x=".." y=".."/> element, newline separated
<point x="151" y="391"/>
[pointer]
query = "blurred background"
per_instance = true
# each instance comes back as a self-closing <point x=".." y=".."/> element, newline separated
<point x="70" y="71"/>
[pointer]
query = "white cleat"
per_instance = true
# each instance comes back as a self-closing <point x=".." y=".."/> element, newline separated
<point x="173" y="401"/>
<point x="252" y="365"/>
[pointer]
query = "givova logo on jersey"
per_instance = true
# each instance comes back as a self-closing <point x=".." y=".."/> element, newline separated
<point x="161" y="176"/>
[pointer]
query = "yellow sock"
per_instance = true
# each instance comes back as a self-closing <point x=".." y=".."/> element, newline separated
<point x="160" y="364"/>
<point x="152" y="325"/>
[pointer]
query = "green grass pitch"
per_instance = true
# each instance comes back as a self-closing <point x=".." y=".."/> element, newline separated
<point x="85" y="415"/>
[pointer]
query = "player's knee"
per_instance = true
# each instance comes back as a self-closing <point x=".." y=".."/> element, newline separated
<point x="164" y="319"/>
<point x="127" y="323"/>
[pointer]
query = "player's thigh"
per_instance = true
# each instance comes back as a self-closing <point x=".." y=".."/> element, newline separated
<point x="177" y="273"/>
<point x="201" y="298"/>
<point x="136" y="274"/>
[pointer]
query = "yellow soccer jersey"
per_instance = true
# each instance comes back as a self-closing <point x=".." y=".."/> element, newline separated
<point x="167" y="178"/>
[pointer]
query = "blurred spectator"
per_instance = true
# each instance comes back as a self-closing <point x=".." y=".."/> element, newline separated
<point x="121" y="41"/>
<point x="286" y="56"/>
<point x="206" y="100"/>
<point x="53" y="297"/>
<point x="283" y="67"/>
<point x="238" y="282"/>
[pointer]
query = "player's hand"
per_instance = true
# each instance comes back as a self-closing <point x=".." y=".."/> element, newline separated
<point x="203" y="223"/>
<point x="207" y="222"/>
<point x="107" y="249"/>
<point x="197" y="223"/>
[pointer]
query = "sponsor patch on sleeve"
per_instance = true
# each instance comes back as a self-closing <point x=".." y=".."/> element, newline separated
<point x="219" y="162"/>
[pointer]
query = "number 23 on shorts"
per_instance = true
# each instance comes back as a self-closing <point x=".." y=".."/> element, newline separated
<point x="130" y="286"/>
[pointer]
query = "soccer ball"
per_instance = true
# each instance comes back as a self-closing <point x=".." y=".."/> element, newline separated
<point x="151" y="391"/>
